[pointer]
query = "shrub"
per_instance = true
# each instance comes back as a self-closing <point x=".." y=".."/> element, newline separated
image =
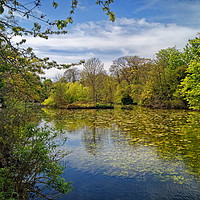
<point x="30" y="163"/>
<point x="126" y="99"/>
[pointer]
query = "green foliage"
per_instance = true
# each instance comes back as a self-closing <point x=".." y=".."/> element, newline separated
<point x="76" y="92"/>
<point x="46" y="88"/>
<point x="104" y="106"/>
<point x="57" y="97"/>
<point x="151" y="83"/>
<point x="108" y="90"/>
<point x="191" y="50"/>
<point x="29" y="160"/>
<point x="33" y="162"/>
<point x="106" y="8"/>
<point x="191" y="85"/>
<point x="29" y="157"/>
<point x="66" y="93"/>
<point x="1" y="9"/>
<point x="121" y="89"/>
<point x="164" y="79"/>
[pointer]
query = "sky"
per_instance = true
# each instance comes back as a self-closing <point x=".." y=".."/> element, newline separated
<point x="142" y="28"/>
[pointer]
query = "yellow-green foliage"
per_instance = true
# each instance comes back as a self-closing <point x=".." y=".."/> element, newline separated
<point x="57" y="97"/>
<point x="49" y="101"/>
<point x="191" y="85"/>
<point x="76" y="92"/>
<point x="66" y="93"/>
<point x="121" y="89"/>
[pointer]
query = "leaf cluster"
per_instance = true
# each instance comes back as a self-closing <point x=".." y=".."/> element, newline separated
<point x="27" y="10"/>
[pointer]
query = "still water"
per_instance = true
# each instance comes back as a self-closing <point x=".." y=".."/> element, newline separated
<point x="134" y="153"/>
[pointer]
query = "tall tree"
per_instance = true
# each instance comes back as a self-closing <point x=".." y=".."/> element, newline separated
<point x="108" y="90"/>
<point x="131" y="74"/>
<point x="119" y="69"/>
<point x="127" y="68"/>
<point x="190" y="86"/>
<point x="92" y="76"/>
<point x="164" y="79"/>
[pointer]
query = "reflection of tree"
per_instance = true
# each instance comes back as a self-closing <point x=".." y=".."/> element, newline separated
<point x="68" y="120"/>
<point x="90" y="140"/>
<point x="93" y="136"/>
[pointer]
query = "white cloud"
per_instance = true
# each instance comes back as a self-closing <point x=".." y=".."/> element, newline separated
<point x="108" y="41"/>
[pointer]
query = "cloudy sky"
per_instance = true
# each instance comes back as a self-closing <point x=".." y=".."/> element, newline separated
<point x="142" y="28"/>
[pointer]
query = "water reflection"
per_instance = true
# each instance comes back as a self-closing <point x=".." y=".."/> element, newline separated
<point x="140" y="144"/>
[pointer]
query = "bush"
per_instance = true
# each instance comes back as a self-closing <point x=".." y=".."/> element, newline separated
<point x="126" y="99"/>
<point x="30" y="163"/>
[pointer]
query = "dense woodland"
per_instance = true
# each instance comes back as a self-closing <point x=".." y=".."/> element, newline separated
<point x="27" y="153"/>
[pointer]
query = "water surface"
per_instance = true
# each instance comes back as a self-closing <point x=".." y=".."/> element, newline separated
<point x="136" y="153"/>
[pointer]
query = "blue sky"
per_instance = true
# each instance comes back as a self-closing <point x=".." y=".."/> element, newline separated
<point x="142" y="28"/>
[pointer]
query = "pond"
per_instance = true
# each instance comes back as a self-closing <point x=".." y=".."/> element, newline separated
<point x="130" y="153"/>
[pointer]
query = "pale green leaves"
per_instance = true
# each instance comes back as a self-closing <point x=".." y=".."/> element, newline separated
<point x="191" y="85"/>
<point x="106" y="8"/>
<point x="27" y="11"/>
<point x="63" y="23"/>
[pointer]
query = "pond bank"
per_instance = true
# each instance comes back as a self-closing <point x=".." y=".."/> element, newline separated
<point x="84" y="106"/>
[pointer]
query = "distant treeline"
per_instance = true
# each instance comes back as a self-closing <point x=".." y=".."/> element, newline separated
<point x="171" y="80"/>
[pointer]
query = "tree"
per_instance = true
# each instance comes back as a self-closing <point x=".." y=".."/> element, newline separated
<point x="164" y="79"/>
<point x="72" y="75"/>
<point x="76" y="92"/>
<point x="19" y="79"/>
<point x="191" y="50"/>
<point x="92" y="76"/>
<point x="108" y="90"/>
<point x="63" y="94"/>
<point x="28" y="157"/>
<point x="131" y="75"/>
<point x="46" y="88"/>
<point x="119" y="70"/>
<point x="126" y="99"/>
<point x="190" y="85"/>
<point x="42" y="27"/>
